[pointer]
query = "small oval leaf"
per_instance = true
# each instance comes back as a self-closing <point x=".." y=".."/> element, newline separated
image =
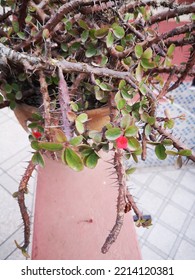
<point x="73" y="160"/>
<point x="113" y="133"/>
<point x="160" y="152"/>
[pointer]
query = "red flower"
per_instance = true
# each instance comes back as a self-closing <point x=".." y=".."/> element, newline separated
<point x="121" y="142"/>
<point x="36" y="134"/>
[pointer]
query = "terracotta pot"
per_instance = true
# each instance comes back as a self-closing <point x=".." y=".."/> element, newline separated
<point x="74" y="213"/>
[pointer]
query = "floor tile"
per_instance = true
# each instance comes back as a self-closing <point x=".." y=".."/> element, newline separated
<point x="148" y="254"/>
<point x="173" y="217"/>
<point x="161" y="185"/>
<point x="9" y="245"/>
<point x="173" y="173"/>
<point x="185" y="252"/>
<point x="141" y="176"/>
<point x="150" y="202"/>
<point x="190" y="232"/>
<point x="183" y="198"/>
<point x="8" y="183"/>
<point x="162" y="238"/>
<point x="187" y="180"/>
<point x="10" y="220"/>
<point x="13" y="140"/>
<point x="19" y="156"/>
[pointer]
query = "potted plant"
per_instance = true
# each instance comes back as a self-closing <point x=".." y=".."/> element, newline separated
<point x="85" y="78"/>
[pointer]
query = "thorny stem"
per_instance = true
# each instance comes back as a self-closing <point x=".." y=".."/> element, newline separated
<point x="21" y="201"/>
<point x="131" y="201"/>
<point x="64" y="101"/>
<point x="46" y="103"/>
<point x="176" y="143"/>
<point x="118" y="157"/>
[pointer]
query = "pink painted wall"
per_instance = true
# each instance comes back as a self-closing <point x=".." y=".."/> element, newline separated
<point x="74" y="214"/>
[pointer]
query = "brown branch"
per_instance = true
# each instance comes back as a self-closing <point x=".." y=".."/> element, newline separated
<point x="54" y="20"/>
<point x="144" y="150"/>
<point x="75" y="86"/>
<point x="166" y="86"/>
<point x="46" y="104"/>
<point x="167" y="14"/>
<point x="64" y="101"/>
<point x="6" y="15"/>
<point x="181" y="42"/>
<point x="190" y="63"/>
<point x="118" y="157"/>
<point x="130" y="7"/>
<point x="4" y="104"/>
<point x="176" y="143"/>
<point x="131" y="201"/>
<point x="22" y="13"/>
<point x="21" y="201"/>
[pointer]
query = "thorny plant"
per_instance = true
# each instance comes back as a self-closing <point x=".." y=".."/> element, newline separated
<point x="60" y="60"/>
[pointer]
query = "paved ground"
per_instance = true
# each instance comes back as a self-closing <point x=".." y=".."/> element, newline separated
<point x="165" y="193"/>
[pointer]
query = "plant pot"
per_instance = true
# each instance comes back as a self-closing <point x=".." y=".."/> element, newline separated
<point x="74" y="213"/>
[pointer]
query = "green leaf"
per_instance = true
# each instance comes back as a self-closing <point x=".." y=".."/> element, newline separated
<point x="38" y="159"/>
<point x="160" y="152"/>
<point x="15" y="25"/>
<point x="121" y="104"/>
<point x="122" y="84"/>
<point x="8" y="88"/>
<point x="84" y="35"/>
<point x="76" y="140"/>
<point x="91" y="51"/>
<point x="105" y="87"/>
<point x="147" y="53"/>
<point x="135" y="158"/>
<point x="131" y="131"/>
<point x="179" y="162"/>
<point x="118" y="31"/>
<point x="169" y="124"/>
<point x="143" y="89"/>
<point x="102" y="32"/>
<point x="119" y="48"/>
<point x="167" y="142"/>
<point x="185" y="152"/>
<point x="193" y="16"/>
<point x="146" y="64"/>
<point x="148" y="130"/>
<point x="170" y="50"/>
<point x="28" y="19"/>
<point x="50" y="146"/>
<point x="64" y="47"/>
<point x="80" y="127"/>
<point x="109" y="39"/>
<point x="130" y="170"/>
<point x="151" y="120"/>
<point x="92" y="160"/>
<point x="59" y="136"/>
<point x="171" y="153"/>
<point x="139" y="73"/>
<point x="83" y="24"/>
<point x="22" y="77"/>
<point x="113" y="133"/>
<point x="125" y="121"/>
<point x="104" y="60"/>
<point x="138" y="51"/>
<point x="73" y="160"/>
<point x="18" y="95"/>
<point x="83" y="117"/>
<point x="133" y="143"/>
<point x="45" y="33"/>
<point x="95" y="135"/>
<point x="1" y="98"/>
<point x="35" y="145"/>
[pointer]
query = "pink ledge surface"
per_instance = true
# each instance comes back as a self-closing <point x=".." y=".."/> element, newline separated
<point x="74" y="213"/>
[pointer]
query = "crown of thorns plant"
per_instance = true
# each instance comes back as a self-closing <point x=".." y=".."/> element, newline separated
<point x="61" y="60"/>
